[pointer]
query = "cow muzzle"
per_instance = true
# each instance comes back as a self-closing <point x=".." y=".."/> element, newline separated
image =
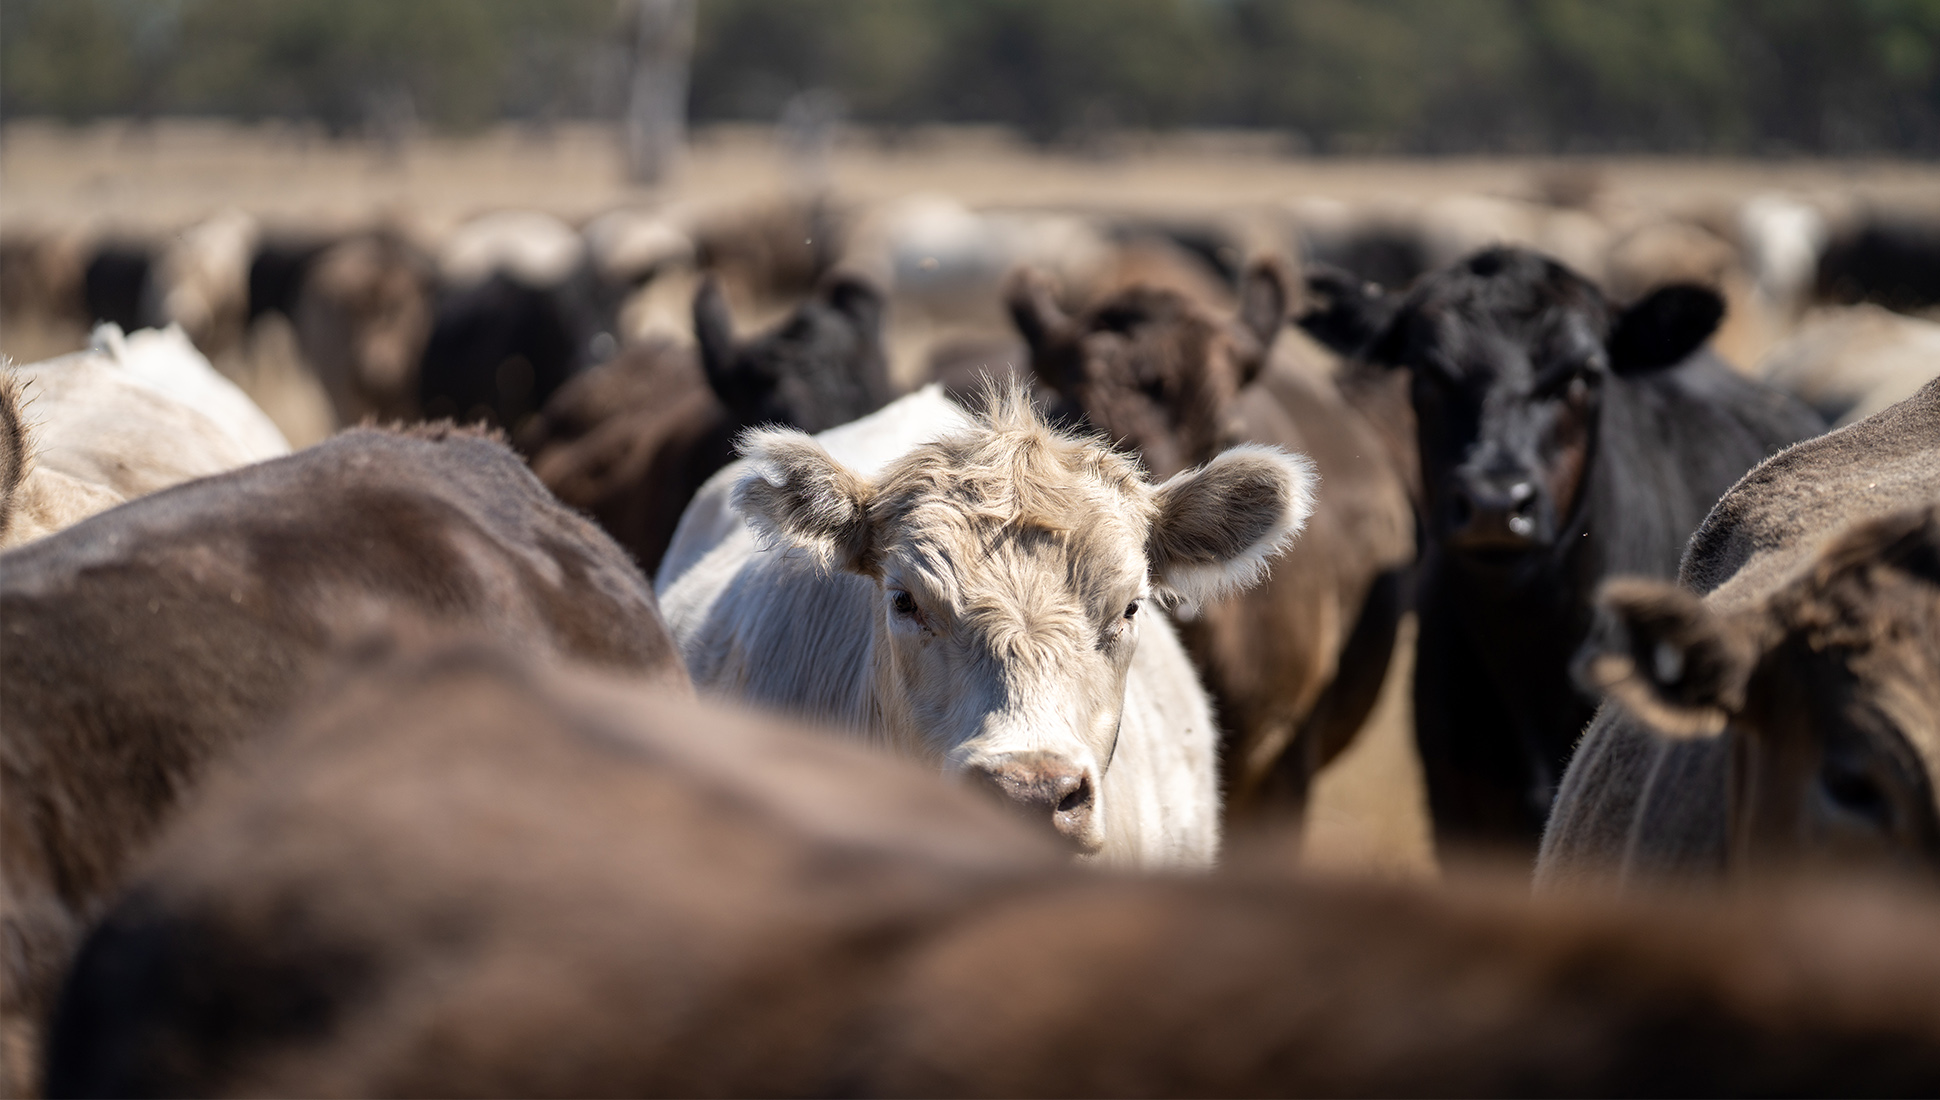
<point x="1046" y="788"/>
<point x="1485" y="515"/>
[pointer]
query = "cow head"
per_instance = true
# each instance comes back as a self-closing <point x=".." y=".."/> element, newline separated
<point x="821" y="367"/>
<point x="1831" y="684"/>
<point x="1148" y="366"/>
<point x="1014" y="566"/>
<point x="1511" y="355"/>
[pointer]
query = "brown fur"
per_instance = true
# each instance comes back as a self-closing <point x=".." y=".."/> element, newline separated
<point x="145" y="642"/>
<point x="362" y="319"/>
<point x="464" y="876"/>
<point x="1797" y="627"/>
<point x="630" y="441"/>
<point x="1294" y="669"/>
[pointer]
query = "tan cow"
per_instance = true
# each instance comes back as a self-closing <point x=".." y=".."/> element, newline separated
<point x="989" y="600"/>
<point x="127" y="417"/>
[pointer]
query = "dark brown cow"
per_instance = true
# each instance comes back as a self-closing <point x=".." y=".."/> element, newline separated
<point x="1294" y="668"/>
<point x="631" y="440"/>
<point x="462" y="876"/>
<point x="144" y="642"/>
<point x="1783" y="702"/>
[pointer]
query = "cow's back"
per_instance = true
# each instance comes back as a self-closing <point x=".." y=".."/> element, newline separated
<point x="148" y="640"/>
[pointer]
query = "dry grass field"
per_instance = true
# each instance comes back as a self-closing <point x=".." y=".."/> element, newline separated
<point x="1368" y="811"/>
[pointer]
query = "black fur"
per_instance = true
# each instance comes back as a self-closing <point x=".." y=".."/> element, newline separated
<point x="1509" y="353"/>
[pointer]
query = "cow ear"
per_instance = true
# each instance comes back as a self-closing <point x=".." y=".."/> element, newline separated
<point x="794" y="494"/>
<point x="1218" y="525"/>
<point x="1345" y="312"/>
<point x="1665" y="327"/>
<point x="1661" y="654"/>
<point x="856" y="298"/>
<point x="1033" y="302"/>
<point x="714" y="332"/>
<point x="1264" y="292"/>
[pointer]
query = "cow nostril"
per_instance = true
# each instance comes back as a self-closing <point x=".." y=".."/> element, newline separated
<point x="1079" y="795"/>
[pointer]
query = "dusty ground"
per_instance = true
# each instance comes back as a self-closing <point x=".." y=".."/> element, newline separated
<point x="1368" y="809"/>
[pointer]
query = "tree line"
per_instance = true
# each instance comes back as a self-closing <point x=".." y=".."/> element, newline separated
<point x="1333" y="76"/>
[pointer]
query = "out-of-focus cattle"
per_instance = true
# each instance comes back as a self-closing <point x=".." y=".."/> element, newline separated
<point x="1781" y="238"/>
<point x="43" y="272"/>
<point x="362" y="316"/>
<point x="128" y="417"/>
<point x="1562" y="440"/>
<point x="1663" y="251"/>
<point x="643" y="264"/>
<point x="464" y="875"/>
<point x="776" y="251"/>
<point x="145" y="642"/>
<point x="115" y="284"/>
<point x="1851" y="362"/>
<point x="1293" y="668"/>
<point x="200" y="280"/>
<point x="1780" y="704"/>
<point x="632" y="440"/>
<point x="1891" y="259"/>
<point x="986" y="601"/>
<point x="518" y="314"/>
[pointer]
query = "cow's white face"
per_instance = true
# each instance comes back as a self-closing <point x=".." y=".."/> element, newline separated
<point x="1013" y="566"/>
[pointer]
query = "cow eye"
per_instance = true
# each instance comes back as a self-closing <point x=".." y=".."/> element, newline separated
<point x="1131" y="609"/>
<point x="902" y="603"/>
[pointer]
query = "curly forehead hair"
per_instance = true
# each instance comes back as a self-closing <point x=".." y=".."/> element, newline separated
<point x="1014" y="470"/>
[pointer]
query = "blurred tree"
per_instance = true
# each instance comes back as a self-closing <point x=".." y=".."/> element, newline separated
<point x="1341" y="75"/>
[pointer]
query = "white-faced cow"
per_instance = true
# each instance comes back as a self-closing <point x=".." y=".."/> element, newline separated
<point x="988" y="601"/>
<point x="142" y="644"/>
<point x="1783" y="704"/>
<point x="1562" y="440"/>
<point x="1295" y="667"/>
<point x="460" y="874"/>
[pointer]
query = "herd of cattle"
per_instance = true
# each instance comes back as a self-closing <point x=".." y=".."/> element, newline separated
<point x="377" y="766"/>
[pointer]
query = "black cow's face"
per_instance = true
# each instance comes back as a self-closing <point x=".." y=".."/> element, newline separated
<point x="1507" y="409"/>
<point x="1511" y="355"/>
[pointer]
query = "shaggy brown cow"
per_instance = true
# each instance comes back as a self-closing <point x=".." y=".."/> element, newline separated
<point x="1781" y="704"/>
<point x="462" y="876"/>
<point x="631" y="440"/>
<point x="1295" y="668"/>
<point x="144" y="642"/>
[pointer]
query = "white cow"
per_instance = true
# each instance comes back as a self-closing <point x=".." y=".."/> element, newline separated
<point x="983" y="594"/>
<point x="131" y="415"/>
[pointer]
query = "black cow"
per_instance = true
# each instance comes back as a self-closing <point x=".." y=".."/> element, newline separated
<point x="1563" y="439"/>
<point x="1894" y="261"/>
<point x="501" y="347"/>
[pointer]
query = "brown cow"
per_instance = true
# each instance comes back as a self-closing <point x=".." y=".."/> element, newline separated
<point x="362" y="315"/>
<point x="1780" y="703"/>
<point x="1295" y="668"/>
<point x="144" y="642"/>
<point x="464" y="876"/>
